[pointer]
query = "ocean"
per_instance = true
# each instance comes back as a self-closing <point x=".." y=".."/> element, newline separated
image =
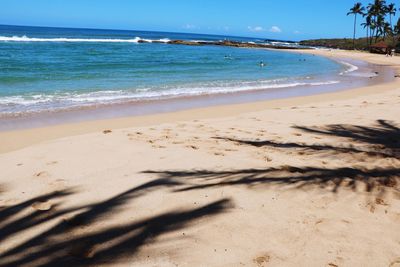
<point x="50" y="69"/>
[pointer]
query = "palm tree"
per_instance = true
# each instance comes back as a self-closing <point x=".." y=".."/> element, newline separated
<point x="355" y="10"/>
<point x="397" y="27"/>
<point x="396" y="32"/>
<point x="377" y="11"/>
<point x="367" y="25"/>
<point x="380" y="27"/>
<point x="387" y="30"/>
<point x="391" y="11"/>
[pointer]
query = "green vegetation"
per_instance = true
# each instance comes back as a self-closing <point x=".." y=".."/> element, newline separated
<point x="344" y="43"/>
<point x="378" y="24"/>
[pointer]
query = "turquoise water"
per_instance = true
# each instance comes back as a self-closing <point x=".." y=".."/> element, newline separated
<point x="49" y="69"/>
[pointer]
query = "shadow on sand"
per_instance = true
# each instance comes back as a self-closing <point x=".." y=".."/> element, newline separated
<point x="381" y="140"/>
<point x="71" y="237"/>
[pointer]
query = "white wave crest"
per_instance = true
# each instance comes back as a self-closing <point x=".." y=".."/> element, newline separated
<point x="37" y="102"/>
<point x="350" y="67"/>
<point x="78" y="40"/>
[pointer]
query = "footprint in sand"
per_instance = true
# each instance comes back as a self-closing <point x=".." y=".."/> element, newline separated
<point x="58" y="184"/>
<point x="193" y="147"/>
<point x="42" y="174"/>
<point x="154" y="146"/>
<point x="395" y="263"/>
<point x="131" y="135"/>
<point x="262" y="261"/>
<point x="381" y="202"/>
<point x="267" y="159"/>
<point x="177" y="143"/>
<point x="107" y="131"/>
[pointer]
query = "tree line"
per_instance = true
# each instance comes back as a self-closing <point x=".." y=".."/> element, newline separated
<point x="378" y="23"/>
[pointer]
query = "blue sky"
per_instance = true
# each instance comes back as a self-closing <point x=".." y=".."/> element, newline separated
<point x="290" y="19"/>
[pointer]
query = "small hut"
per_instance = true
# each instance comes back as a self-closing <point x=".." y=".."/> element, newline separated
<point x="380" y="48"/>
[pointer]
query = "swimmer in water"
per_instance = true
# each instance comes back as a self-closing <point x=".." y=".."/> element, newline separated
<point x="262" y="64"/>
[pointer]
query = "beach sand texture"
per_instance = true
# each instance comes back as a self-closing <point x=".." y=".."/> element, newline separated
<point x="310" y="181"/>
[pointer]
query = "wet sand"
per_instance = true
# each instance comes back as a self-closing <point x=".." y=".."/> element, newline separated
<point x="310" y="181"/>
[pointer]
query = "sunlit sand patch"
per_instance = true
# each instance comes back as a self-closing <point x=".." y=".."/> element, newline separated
<point x="42" y="206"/>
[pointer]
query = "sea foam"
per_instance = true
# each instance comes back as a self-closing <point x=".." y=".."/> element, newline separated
<point x="35" y="102"/>
<point x="78" y="40"/>
<point x="350" y="67"/>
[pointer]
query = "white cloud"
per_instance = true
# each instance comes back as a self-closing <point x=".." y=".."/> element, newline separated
<point x="275" y="29"/>
<point x="296" y="32"/>
<point x="255" y="29"/>
<point x="190" y="26"/>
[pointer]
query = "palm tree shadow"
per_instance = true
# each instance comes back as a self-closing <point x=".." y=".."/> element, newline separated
<point x="381" y="140"/>
<point x="294" y="177"/>
<point x="75" y="238"/>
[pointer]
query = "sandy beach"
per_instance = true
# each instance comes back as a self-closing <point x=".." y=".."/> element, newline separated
<point x="305" y="181"/>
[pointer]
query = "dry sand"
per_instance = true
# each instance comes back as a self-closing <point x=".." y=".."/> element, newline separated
<point x="310" y="181"/>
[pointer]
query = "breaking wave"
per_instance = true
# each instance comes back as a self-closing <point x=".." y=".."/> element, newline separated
<point x="79" y="40"/>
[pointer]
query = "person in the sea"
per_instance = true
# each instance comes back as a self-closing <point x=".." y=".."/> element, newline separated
<point x="262" y="64"/>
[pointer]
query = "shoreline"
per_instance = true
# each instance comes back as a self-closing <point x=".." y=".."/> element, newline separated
<point x="324" y="84"/>
<point x="19" y="138"/>
<point x="168" y="102"/>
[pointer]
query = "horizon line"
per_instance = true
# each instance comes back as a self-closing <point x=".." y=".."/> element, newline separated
<point x="109" y="29"/>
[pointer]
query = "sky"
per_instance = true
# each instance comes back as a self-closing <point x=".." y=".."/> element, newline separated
<point x="275" y="19"/>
